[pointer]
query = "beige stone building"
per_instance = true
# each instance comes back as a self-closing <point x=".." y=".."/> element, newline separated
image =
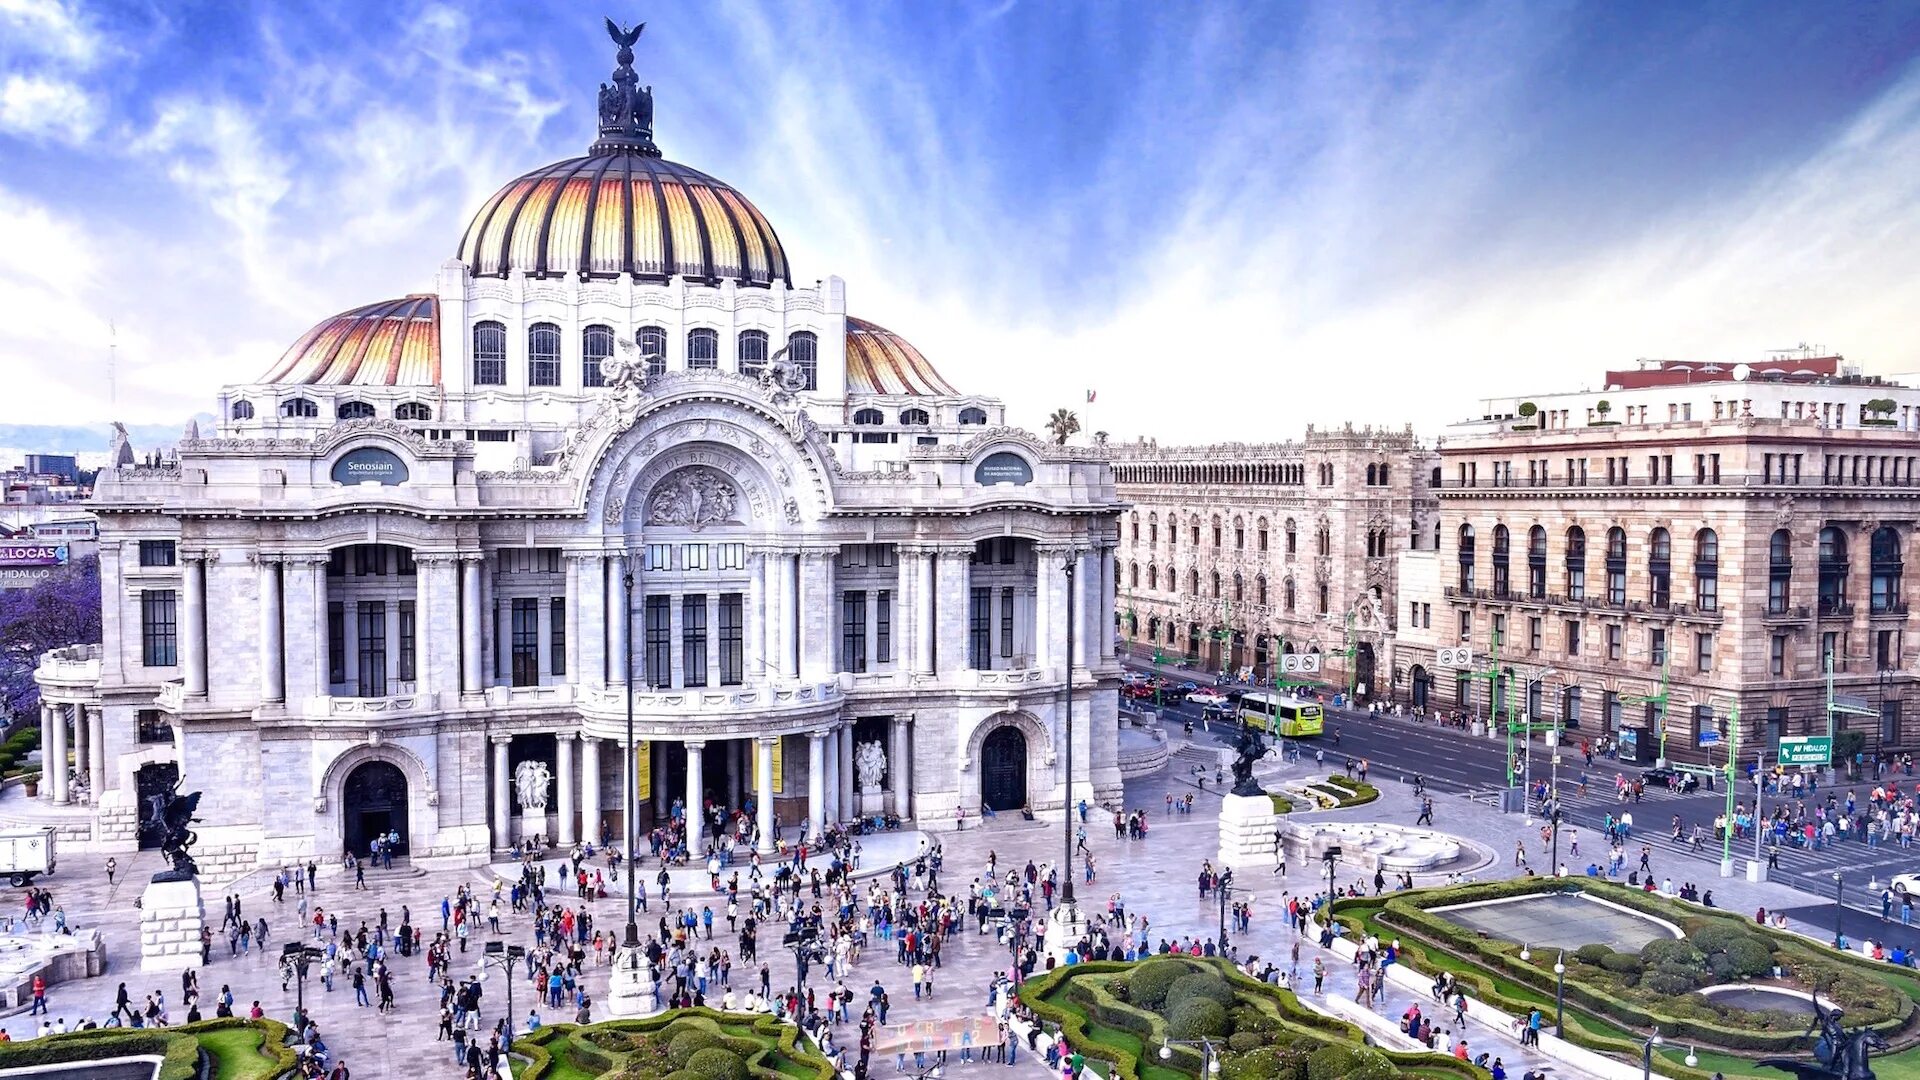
<point x="1235" y="552"/>
<point x="1723" y="559"/>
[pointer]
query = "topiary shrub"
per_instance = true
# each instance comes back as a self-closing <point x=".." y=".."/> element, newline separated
<point x="1670" y="951"/>
<point x="1591" y="954"/>
<point x="688" y="1043"/>
<point x="1670" y="980"/>
<point x="1200" y="984"/>
<point x="1343" y="1062"/>
<point x="714" y="1063"/>
<point x="1147" y="986"/>
<point x="1266" y="1063"/>
<point x="1197" y="1018"/>
<point x="1245" y="1040"/>
<point x="1623" y="963"/>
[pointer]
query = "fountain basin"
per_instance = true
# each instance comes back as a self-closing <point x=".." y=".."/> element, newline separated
<point x="1758" y="997"/>
<point x="1376" y="846"/>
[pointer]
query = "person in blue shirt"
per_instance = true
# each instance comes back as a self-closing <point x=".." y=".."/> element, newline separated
<point x="533" y="1021"/>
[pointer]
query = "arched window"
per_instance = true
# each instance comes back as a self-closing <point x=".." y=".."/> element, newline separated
<point x="1369" y="476"/>
<point x="917" y="418"/>
<point x="596" y="344"/>
<point x="971" y="415"/>
<point x="803" y="351"/>
<point x="1883" y="554"/>
<point x="1193" y="528"/>
<point x="489" y="354"/>
<point x="1260" y="590"/>
<point x="1216" y="584"/>
<point x="1293" y="538"/>
<point x="1133" y="575"/>
<point x="1576" y="563"/>
<point x="354" y="410"/>
<point x="652" y="344"/>
<point x="1659" y="568"/>
<point x="1326" y="601"/>
<point x="1260" y="535"/>
<point x="703" y="349"/>
<point x="1466" y="558"/>
<point x="1383" y="474"/>
<point x="413" y="410"/>
<point x="243" y="410"/>
<point x="1537" y="562"/>
<point x="1239" y="588"/>
<point x="1706" y="570"/>
<point x="868" y="416"/>
<point x="1153" y="529"/>
<point x="1289" y="595"/>
<point x="543" y="355"/>
<point x="752" y="349"/>
<point x="299" y="408"/>
<point x="1833" y="571"/>
<point x="1153" y="576"/>
<point x="1779" y="571"/>
<point x="1216" y="530"/>
<point x="1193" y="582"/>
<point x="1326" y="540"/>
<point x="1502" y="579"/>
<point x="1616" y="565"/>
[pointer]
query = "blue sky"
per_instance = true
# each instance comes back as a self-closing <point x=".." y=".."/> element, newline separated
<point x="1231" y="220"/>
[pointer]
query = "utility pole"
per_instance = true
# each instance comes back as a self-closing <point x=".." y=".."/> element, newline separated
<point x="1726" y="827"/>
<point x="1353" y="670"/>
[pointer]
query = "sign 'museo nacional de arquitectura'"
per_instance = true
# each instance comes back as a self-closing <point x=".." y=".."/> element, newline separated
<point x="614" y="457"/>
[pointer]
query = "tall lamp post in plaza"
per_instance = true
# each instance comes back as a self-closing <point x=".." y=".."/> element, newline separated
<point x="1332" y="857"/>
<point x="1226" y="887"/>
<point x="631" y="787"/>
<point x="1212" y="1066"/>
<point x="1646" y="1054"/>
<point x="504" y="957"/>
<point x="1067" y="925"/>
<point x="1839" y="908"/>
<point x="1560" y="996"/>
<point x="300" y="958"/>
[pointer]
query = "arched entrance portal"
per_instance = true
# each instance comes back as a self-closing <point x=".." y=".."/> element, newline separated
<point x="1363" y="687"/>
<point x="1422" y="686"/>
<point x="374" y="802"/>
<point x="1003" y="769"/>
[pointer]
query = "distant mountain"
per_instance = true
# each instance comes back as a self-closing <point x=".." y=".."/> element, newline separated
<point x="82" y="438"/>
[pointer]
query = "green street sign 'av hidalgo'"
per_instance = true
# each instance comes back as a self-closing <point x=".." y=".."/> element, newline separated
<point x="1806" y="749"/>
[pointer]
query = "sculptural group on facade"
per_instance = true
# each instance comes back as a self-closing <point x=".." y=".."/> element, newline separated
<point x="870" y="765"/>
<point x="693" y="499"/>
<point x="531" y="779"/>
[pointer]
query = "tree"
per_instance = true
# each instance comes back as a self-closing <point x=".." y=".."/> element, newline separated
<point x="1603" y="407"/>
<point x="1063" y="424"/>
<point x="1881" y="406"/>
<point x="1528" y="409"/>
<point x="62" y="610"/>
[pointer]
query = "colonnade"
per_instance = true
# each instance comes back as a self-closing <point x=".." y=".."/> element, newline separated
<point x="87" y="746"/>
<point x="830" y="787"/>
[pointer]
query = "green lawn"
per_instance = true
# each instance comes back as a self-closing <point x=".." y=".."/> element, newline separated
<point x="236" y="1054"/>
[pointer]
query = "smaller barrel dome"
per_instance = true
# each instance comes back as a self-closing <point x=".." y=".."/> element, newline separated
<point x="392" y="343"/>
<point x="880" y="361"/>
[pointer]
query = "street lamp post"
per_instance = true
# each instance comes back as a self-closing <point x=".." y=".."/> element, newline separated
<point x="1226" y="887"/>
<point x="300" y="958"/>
<point x="632" y="786"/>
<point x="1066" y="816"/>
<point x="1212" y="1066"/>
<point x="1839" y="942"/>
<point x="1332" y="857"/>
<point x="1560" y="996"/>
<point x="500" y="955"/>
<point x="1646" y="1054"/>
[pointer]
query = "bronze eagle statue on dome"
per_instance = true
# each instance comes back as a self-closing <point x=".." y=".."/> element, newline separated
<point x="624" y="38"/>
<point x="626" y="107"/>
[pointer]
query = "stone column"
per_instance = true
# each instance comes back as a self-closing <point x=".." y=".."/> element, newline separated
<point x="193" y="626"/>
<point x="424" y="681"/>
<point x="899" y="768"/>
<point x="1052" y="585"/>
<point x="96" y="752"/>
<point x="835" y="812"/>
<point x="921" y="614"/>
<point x="571" y="655"/>
<point x="713" y="638"/>
<point x="470" y="629"/>
<point x="54" y="718"/>
<point x="736" y="773"/>
<point x="816" y="614"/>
<point x="785" y="573"/>
<point x="951" y="597"/>
<point x="1045" y="614"/>
<point x="763" y="790"/>
<point x="590" y="788"/>
<point x="563" y="764"/>
<point x="617" y="620"/>
<point x="502" y="822"/>
<point x="317" y="585"/>
<point x="696" y="823"/>
<point x="849" y="807"/>
<point x="754" y="650"/>
<point x="816" y="785"/>
<point x="1086" y="575"/>
<point x="1101" y="609"/>
<point x="80" y="761"/>
<point x="273" y="653"/>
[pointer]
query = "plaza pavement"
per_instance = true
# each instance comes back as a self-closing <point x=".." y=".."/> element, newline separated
<point x="1156" y="875"/>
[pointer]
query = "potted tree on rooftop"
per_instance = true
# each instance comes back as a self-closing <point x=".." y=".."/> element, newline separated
<point x="1527" y="410"/>
<point x="1603" y="407"/>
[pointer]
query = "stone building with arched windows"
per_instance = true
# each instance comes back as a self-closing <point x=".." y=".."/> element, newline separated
<point x="1235" y="553"/>
<point x="615" y="460"/>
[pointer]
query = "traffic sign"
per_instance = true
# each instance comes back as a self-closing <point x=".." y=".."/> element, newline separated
<point x="1709" y="737"/>
<point x="1300" y="663"/>
<point x="1461" y="657"/>
<point x="1806" y="749"/>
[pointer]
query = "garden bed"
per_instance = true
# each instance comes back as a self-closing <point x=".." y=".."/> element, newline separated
<point x="682" y="1044"/>
<point x="234" y="1049"/>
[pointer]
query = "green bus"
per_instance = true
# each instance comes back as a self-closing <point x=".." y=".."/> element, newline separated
<point x="1282" y="715"/>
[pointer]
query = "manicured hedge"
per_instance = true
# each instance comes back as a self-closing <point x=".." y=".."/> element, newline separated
<point x="590" y="1048"/>
<point x="1359" y="793"/>
<point x="176" y="1046"/>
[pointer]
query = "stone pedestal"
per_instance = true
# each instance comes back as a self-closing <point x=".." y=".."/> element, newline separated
<point x="1066" y="925"/>
<point x="629" y="990"/>
<point x="530" y="824"/>
<point x="1247" y="828"/>
<point x="171" y="917"/>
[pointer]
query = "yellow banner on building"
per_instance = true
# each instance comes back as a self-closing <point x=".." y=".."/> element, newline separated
<point x="777" y="743"/>
<point x="643" y="765"/>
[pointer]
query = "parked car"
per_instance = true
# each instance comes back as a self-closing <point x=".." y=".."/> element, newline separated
<point x="1135" y="678"/>
<point x="1674" y="779"/>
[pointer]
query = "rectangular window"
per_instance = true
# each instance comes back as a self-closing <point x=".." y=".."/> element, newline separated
<point x="1703" y="721"/>
<point x="150" y="726"/>
<point x="659" y="643"/>
<point x="525" y="632"/>
<point x="1886" y="651"/>
<point x="883" y="626"/>
<point x="1573" y="637"/>
<point x="1777" y="662"/>
<point x="557" y="635"/>
<point x="693" y="638"/>
<point x="370" y="627"/>
<point x="853" y="630"/>
<point x="693" y="556"/>
<point x="980" y="628"/>
<point x="1570" y="707"/>
<point x="336" y="643"/>
<point x="1006" y="622"/>
<point x="159" y="628"/>
<point x="1499" y="627"/>
<point x="1830" y="659"/>
<point x="1703" y="652"/>
<point x="1614" y="635"/>
<point x="156" y="553"/>
<point x="729" y="556"/>
<point x="733" y="663"/>
<point x="659" y="557"/>
<point x="1466" y="626"/>
<point x="369" y="560"/>
<point x="406" y="661"/>
<point x="1657" y="646"/>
